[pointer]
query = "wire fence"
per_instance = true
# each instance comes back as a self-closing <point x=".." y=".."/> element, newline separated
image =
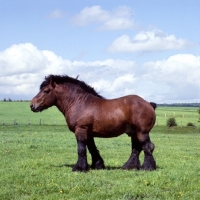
<point x="29" y="121"/>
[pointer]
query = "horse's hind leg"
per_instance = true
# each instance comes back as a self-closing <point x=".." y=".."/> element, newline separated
<point x="148" y="147"/>
<point x="134" y="162"/>
<point x="97" y="161"/>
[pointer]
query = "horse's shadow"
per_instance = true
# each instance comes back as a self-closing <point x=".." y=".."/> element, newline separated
<point x="108" y="167"/>
<point x="71" y="166"/>
<point x="63" y="165"/>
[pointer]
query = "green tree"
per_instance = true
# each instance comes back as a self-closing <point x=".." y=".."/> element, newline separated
<point x="199" y="113"/>
<point x="171" y="122"/>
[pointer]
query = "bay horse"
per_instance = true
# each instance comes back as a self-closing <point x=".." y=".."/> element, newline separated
<point x="90" y="115"/>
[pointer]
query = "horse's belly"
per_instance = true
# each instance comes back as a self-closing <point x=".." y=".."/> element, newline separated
<point x="109" y="132"/>
<point x="110" y="126"/>
<point x="107" y="135"/>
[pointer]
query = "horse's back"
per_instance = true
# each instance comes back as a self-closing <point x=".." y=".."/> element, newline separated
<point x="133" y="103"/>
<point x="128" y="105"/>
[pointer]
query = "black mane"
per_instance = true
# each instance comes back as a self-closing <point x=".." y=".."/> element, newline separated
<point x="58" y="79"/>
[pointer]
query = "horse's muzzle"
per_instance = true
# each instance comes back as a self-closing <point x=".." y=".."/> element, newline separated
<point x="35" y="108"/>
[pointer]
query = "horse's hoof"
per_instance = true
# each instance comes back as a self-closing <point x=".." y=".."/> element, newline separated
<point x="148" y="168"/>
<point x="79" y="169"/>
<point x="98" y="165"/>
<point x="124" y="167"/>
<point x="128" y="166"/>
<point x="149" y="163"/>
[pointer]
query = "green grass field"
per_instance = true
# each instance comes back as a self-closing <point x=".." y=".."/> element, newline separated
<point x="183" y="115"/>
<point x="36" y="160"/>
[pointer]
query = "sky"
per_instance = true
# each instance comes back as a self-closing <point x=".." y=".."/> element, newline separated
<point x="143" y="47"/>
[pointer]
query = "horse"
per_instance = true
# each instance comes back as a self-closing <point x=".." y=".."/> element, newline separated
<point x="90" y="115"/>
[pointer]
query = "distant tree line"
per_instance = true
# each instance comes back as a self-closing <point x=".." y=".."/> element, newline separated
<point x="180" y="105"/>
<point x="10" y="100"/>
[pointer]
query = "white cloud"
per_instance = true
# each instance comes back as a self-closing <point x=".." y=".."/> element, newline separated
<point x="176" y="79"/>
<point x="180" y="67"/>
<point x="120" y="86"/>
<point x="23" y="68"/>
<point x="155" y="40"/>
<point x="90" y="15"/>
<point x="21" y="58"/>
<point x="180" y="73"/>
<point x="56" y="14"/>
<point x="121" y="18"/>
<point x="117" y="23"/>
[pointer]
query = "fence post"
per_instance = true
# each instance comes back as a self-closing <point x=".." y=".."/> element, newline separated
<point x="15" y="123"/>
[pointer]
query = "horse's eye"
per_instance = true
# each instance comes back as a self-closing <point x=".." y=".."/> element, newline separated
<point x="47" y="91"/>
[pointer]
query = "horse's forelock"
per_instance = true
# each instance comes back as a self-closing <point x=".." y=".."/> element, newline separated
<point x="46" y="81"/>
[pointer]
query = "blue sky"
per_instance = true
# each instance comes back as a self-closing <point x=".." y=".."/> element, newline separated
<point x="149" y="48"/>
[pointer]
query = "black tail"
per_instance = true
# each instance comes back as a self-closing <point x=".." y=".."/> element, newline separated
<point x="153" y="105"/>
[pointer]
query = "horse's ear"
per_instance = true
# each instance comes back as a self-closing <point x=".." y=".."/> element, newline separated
<point x="77" y="76"/>
<point x="52" y="82"/>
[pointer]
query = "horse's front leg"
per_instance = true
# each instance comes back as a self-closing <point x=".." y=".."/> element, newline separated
<point x="81" y="137"/>
<point x="97" y="161"/>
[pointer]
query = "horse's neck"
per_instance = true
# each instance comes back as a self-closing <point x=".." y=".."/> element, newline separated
<point x="66" y="101"/>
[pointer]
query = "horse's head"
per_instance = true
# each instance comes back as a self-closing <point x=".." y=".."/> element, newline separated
<point x="44" y="99"/>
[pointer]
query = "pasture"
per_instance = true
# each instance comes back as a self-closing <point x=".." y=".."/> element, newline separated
<point x="36" y="160"/>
